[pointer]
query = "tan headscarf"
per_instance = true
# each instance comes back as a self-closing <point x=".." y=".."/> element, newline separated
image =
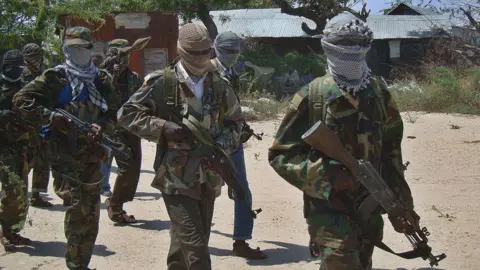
<point x="195" y="38"/>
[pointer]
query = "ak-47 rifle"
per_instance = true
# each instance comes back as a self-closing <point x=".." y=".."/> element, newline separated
<point x="249" y="132"/>
<point x="222" y="163"/>
<point x="86" y="127"/>
<point x="320" y="137"/>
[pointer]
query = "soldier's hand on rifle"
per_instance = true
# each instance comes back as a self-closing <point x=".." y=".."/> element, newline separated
<point x="174" y="132"/>
<point x="59" y="122"/>
<point x="96" y="134"/>
<point x="405" y="222"/>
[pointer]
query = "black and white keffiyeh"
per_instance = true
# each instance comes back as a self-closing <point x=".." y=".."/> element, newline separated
<point x="81" y="75"/>
<point x="347" y="60"/>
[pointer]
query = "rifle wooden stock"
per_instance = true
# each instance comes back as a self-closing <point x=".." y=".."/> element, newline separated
<point x="320" y="137"/>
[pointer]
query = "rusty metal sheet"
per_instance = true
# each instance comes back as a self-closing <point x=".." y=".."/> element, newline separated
<point x="132" y="20"/>
<point x="154" y="59"/>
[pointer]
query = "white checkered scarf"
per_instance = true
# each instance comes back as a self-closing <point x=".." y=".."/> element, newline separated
<point x="347" y="64"/>
<point x="81" y="76"/>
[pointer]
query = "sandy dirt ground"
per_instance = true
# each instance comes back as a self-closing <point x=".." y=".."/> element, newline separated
<point x="444" y="175"/>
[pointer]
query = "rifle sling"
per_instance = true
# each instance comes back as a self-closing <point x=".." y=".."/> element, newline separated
<point x="363" y="232"/>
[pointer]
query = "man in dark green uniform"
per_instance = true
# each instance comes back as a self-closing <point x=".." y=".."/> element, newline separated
<point x="361" y="111"/>
<point x="40" y="157"/>
<point x="15" y="138"/>
<point x="80" y="88"/>
<point x="125" y="83"/>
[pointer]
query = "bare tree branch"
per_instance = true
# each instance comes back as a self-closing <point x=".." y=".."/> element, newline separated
<point x="473" y="22"/>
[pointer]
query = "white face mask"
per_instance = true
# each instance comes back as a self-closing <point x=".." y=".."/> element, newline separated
<point x="78" y="55"/>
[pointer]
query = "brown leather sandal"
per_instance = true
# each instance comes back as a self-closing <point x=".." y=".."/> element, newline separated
<point x="243" y="250"/>
<point x="19" y="240"/>
<point x="117" y="214"/>
<point x="7" y="244"/>
<point x="39" y="202"/>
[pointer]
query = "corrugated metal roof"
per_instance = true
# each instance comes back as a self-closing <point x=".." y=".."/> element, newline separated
<point x="272" y="23"/>
<point x="408" y="26"/>
<point x="260" y="23"/>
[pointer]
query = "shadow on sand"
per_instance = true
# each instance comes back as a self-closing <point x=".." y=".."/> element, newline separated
<point x="57" y="249"/>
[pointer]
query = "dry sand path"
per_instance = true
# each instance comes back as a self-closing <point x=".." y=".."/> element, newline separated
<point x="444" y="173"/>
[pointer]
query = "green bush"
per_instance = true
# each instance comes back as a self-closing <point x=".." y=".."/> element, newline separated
<point x="444" y="90"/>
<point x="265" y="56"/>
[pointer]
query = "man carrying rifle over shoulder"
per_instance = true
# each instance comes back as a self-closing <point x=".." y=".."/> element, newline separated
<point x="187" y="89"/>
<point x="81" y="89"/>
<point x="361" y="112"/>
<point x="125" y="83"/>
<point x="227" y="47"/>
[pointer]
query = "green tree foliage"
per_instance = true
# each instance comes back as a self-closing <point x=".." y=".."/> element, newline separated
<point x="22" y="20"/>
<point x="319" y="11"/>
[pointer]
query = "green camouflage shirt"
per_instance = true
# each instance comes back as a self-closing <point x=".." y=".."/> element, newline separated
<point x="15" y="136"/>
<point x="144" y="115"/>
<point x="366" y="132"/>
<point x="126" y="84"/>
<point x="38" y="99"/>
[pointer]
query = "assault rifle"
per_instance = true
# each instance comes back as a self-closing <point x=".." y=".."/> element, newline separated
<point x="247" y="129"/>
<point x="320" y="137"/>
<point x="222" y="164"/>
<point x="86" y="127"/>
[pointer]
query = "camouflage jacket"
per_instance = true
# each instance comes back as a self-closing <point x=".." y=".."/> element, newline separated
<point x="144" y="114"/>
<point x="124" y="86"/>
<point x="40" y="97"/>
<point x="15" y="135"/>
<point x="368" y="131"/>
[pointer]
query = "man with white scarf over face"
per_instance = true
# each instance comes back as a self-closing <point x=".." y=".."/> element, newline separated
<point x="361" y="111"/>
<point x="78" y="87"/>
<point x="227" y="48"/>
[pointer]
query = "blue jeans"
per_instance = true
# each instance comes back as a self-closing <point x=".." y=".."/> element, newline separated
<point x="106" y="167"/>
<point x="243" y="224"/>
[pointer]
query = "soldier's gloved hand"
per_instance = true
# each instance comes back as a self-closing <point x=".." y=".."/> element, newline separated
<point x="405" y="222"/>
<point x="59" y="122"/>
<point x="174" y="132"/>
<point x="96" y="134"/>
<point x="117" y="67"/>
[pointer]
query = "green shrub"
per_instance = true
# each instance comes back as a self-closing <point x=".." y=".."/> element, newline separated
<point x="444" y="90"/>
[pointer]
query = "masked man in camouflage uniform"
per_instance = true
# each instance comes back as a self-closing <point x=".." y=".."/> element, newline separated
<point x="14" y="143"/>
<point x="81" y="89"/>
<point x="186" y="89"/>
<point x="40" y="163"/>
<point x="362" y="112"/>
<point x="227" y="47"/>
<point x="125" y="82"/>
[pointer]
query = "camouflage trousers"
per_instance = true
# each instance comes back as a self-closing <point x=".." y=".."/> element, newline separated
<point x="190" y="231"/>
<point x="40" y="164"/>
<point x="128" y="169"/>
<point x="337" y="236"/>
<point x="80" y="178"/>
<point x="14" y="198"/>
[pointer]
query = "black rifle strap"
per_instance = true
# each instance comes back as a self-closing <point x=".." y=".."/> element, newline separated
<point x="361" y="231"/>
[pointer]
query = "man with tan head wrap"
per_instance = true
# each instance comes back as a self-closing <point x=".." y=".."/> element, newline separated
<point x="186" y="89"/>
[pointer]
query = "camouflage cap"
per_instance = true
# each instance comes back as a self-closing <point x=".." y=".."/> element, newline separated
<point x="118" y="43"/>
<point x="77" y="35"/>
